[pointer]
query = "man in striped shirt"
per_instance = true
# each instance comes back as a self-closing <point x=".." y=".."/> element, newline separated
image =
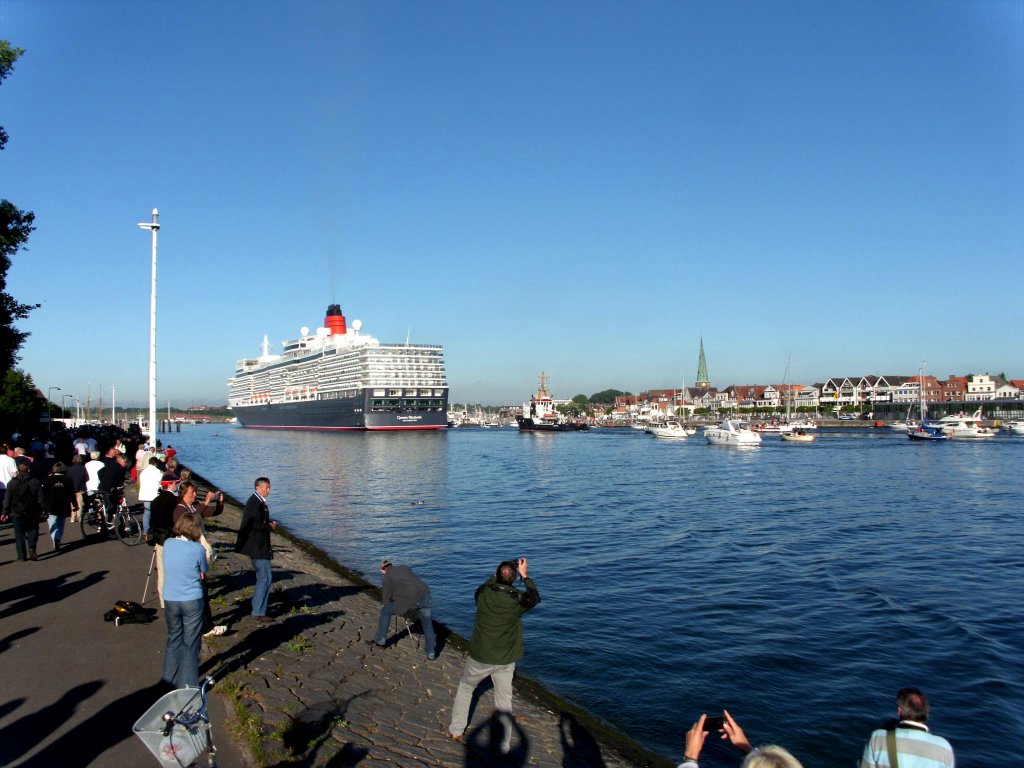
<point x="909" y="738"/>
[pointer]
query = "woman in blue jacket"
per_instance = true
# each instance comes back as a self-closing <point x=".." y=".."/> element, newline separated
<point x="184" y="568"/>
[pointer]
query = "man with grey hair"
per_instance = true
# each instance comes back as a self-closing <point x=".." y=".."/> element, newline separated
<point x="907" y="740"/>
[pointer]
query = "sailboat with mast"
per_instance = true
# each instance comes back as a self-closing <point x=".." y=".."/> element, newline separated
<point x="925" y="431"/>
<point x="797" y="433"/>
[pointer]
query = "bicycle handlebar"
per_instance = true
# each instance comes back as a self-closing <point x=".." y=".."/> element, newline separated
<point x="199" y="714"/>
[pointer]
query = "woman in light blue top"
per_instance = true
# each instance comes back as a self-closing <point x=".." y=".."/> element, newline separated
<point x="184" y="567"/>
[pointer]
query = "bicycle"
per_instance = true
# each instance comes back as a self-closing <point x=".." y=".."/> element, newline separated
<point x="177" y="730"/>
<point x="93" y="514"/>
<point x="126" y="525"/>
<point x="121" y="521"/>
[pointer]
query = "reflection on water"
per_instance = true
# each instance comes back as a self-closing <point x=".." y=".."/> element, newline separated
<point x="797" y="585"/>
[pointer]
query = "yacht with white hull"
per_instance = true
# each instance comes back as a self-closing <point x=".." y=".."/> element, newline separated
<point x="960" y="426"/>
<point x="732" y="433"/>
<point x="670" y="430"/>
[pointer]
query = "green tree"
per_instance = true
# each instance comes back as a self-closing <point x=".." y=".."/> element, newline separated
<point x="15" y="227"/>
<point x="606" y="397"/>
<point x="20" y="404"/>
<point x="581" y="400"/>
<point x="8" y="56"/>
<point x="572" y="409"/>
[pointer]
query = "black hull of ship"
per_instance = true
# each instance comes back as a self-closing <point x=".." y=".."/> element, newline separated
<point x="340" y="414"/>
<point x="526" y="424"/>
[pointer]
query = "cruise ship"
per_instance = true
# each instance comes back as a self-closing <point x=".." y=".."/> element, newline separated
<point x="340" y="379"/>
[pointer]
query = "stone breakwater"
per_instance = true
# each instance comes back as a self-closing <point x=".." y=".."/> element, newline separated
<point x="311" y="689"/>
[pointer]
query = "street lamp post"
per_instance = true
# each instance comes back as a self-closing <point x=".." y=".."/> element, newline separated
<point x="63" y="407"/>
<point x="48" y="414"/>
<point x="153" y="227"/>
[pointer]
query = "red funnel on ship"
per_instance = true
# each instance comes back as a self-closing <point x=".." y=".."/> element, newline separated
<point x="335" y="321"/>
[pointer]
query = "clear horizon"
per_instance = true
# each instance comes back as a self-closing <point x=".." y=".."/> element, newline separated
<point x="585" y="189"/>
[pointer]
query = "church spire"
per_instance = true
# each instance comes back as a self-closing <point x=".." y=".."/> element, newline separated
<point x="702" y="370"/>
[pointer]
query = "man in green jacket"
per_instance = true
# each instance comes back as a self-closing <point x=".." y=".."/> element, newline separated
<point x="496" y="645"/>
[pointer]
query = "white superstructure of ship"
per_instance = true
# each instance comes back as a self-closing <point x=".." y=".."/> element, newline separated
<point x="339" y="378"/>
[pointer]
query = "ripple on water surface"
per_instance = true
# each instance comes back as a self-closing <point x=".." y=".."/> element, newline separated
<point x="797" y="585"/>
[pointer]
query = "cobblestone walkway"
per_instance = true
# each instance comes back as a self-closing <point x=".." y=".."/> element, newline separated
<point x="313" y="691"/>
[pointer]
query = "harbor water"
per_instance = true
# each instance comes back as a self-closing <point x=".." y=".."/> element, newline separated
<point x="799" y="586"/>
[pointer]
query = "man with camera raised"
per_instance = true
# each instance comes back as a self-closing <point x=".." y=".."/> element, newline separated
<point x="496" y="645"/>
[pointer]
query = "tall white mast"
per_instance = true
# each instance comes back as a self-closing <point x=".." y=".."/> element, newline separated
<point x="153" y="226"/>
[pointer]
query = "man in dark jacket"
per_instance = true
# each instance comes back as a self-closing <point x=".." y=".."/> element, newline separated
<point x="59" y="496"/>
<point x="254" y="541"/>
<point x="402" y="591"/>
<point x="23" y="504"/>
<point x="496" y="645"/>
<point x="161" y="521"/>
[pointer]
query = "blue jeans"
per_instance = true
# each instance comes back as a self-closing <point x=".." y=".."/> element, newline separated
<point x="261" y="594"/>
<point x="56" y="527"/>
<point x="387" y="610"/>
<point x="145" y="516"/>
<point x="184" y="620"/>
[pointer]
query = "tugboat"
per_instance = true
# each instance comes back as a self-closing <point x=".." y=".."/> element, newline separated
<point x="539" y="415"/>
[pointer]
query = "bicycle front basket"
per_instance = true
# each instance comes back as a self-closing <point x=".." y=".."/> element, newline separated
<point x="184" y="744"/>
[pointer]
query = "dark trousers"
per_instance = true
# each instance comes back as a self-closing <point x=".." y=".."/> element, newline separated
<point x="207" y="611"/>
<point x="25" y="527"/>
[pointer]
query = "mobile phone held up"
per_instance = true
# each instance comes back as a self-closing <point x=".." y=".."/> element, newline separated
<point x="715" y="723"/>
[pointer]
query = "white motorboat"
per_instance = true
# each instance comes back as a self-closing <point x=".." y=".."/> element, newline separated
<point x="731" y="432"/>
<point x="773" y="428"/>
<point x="798" y="436"/>
<point x="960" y="426"/>
<point x="906" y="425"/>
<point x="670" y="430"/>
<point x="903" y="426"/>
<point x="804" y="424"/>
<point x="1015" y="427"/>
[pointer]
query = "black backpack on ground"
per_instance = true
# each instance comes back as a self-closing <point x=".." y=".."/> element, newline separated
<point x="128" y="612"/>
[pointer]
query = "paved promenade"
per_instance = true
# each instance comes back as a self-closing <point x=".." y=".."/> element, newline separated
<point x="71" y="684"/>
<point x="304" y="690"/>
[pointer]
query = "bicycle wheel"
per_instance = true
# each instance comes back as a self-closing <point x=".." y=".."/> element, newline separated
<point x="128" y="527"/>
<point x="90" y="523"/>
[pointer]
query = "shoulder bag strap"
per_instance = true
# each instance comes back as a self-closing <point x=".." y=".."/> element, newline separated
<point x="890" y="740"/>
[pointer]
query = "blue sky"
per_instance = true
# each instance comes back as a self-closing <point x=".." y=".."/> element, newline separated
<point x="582" y="188"/>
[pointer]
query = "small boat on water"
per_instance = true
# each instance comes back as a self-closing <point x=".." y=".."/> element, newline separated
<point x="927" y="432"/>
<point x="1015" y="427"/>
<point x="670" y="430"/>
<point x="731" y="432"/>
<point x="773" y="427"/>
<point x="903" y="426"/>
<point x="960" y="426"/>
<point x="798" y="436"/>
<point x="539" y="415"/>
